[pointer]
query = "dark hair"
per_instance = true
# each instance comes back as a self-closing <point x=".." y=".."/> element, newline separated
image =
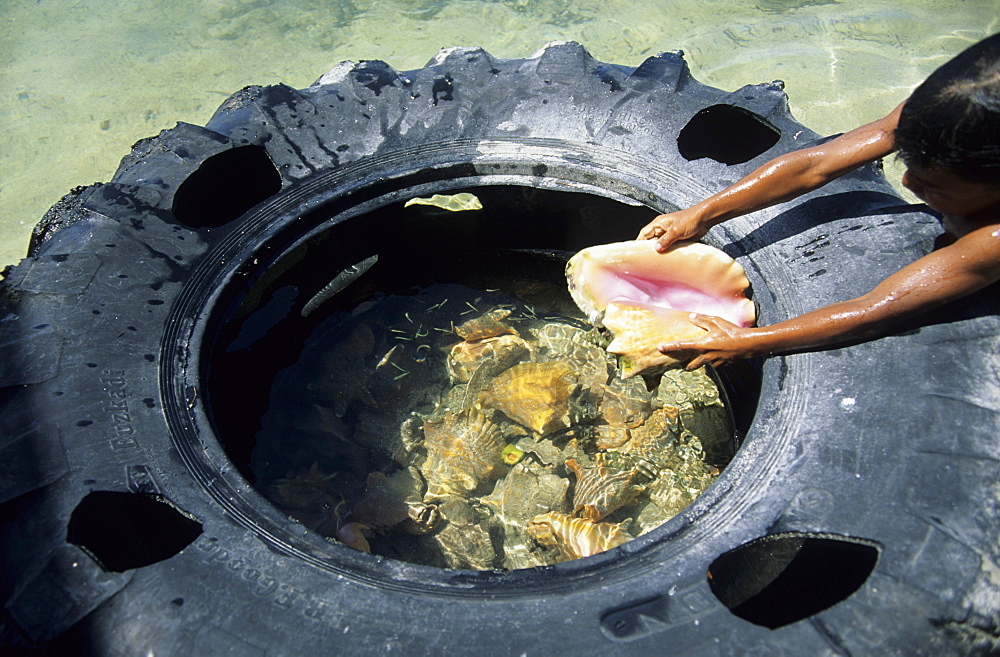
<point x="952" y="120"/>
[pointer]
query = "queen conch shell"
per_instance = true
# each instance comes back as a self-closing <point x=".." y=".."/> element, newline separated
<point x="464" y="450"/>
<point x="638" y="329"/>
<point x="312" y="499"/>
<point x="489" y="325"/>
<point x="394" y="502"/>
<point x="535" y="395"/>
<point x="486" y="342"/>
<point x="497" y="353"/>
<point x="576" y="537"/>
<point x="644" y="298"/>
<point x="352" y="535"/>
<point x="600" y="490"/>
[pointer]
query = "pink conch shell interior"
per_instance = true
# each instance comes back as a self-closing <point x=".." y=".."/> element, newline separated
<point x="644" y="297"/>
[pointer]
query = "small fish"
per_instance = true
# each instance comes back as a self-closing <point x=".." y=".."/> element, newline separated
<point x="339" y="282"/>
<point x="387" y="358"/>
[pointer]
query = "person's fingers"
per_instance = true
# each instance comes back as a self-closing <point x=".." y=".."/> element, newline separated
<point x="680" y="351"/>
<point x="666" y="240"/>
<point x="707" y="323"/>
<point x="695" y="363"/>
<point x="668" y="347"/>
<point x="710" y="322"/>
<point x="650" y="231"/>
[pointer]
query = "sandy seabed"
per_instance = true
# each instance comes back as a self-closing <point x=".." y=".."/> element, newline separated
<point x="81" y="81"/>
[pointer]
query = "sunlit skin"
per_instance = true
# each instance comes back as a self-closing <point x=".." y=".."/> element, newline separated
<point x="967" y="260"/>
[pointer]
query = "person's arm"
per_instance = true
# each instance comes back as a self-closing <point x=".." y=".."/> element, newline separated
<point x="969" y="264"/>
<point x="779" y="180"/>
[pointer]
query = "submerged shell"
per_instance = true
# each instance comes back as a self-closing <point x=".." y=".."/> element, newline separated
<point x="499" y="353"/>
<point x="535" y="395"/>
<point x="610" y="436"/>
<point x="656" y="438"/>
<point x="524" y="493"/>
<point x="394" y="501"/>
<point x="576" y="537"/>
<point x="677" y="487"/>
<point x="464" y="450"/>
<point x="312" y="499"/>
<point x="353" y="535"/>
<point x="644" y="297"/>
<point x="577" y="348"/>
<point x="489" y="325"/>
<point x="464" y="540"/>
<point x="624" y="403"/>
<point x="601" y="490"/>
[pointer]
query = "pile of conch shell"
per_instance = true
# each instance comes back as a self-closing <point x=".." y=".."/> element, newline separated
<point x="479" y="430"/>
<point x="644" y="298"/>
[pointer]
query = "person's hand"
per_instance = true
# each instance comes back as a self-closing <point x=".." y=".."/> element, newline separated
<point x="669" y="228"/>
<point x="724" y="342"/>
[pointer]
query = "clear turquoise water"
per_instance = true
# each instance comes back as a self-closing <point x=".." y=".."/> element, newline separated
<point x="81" y="80"/>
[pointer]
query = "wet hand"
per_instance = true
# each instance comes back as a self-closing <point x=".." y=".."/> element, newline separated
<point x="669" y="228"/>
<point x="722" y="343"/>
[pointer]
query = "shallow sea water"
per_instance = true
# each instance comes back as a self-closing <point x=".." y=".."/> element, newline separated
<point x="82" y="80"/>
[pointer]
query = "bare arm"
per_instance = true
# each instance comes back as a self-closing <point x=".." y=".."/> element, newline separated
<point x="779" y="180"/>
<point x="969" y="264"/>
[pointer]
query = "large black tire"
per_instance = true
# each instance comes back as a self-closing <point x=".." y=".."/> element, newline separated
<point x="864" y="495"/>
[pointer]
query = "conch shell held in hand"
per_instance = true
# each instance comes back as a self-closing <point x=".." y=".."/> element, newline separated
<point x="638" y="329"/>
<point x="644" y="298"/>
